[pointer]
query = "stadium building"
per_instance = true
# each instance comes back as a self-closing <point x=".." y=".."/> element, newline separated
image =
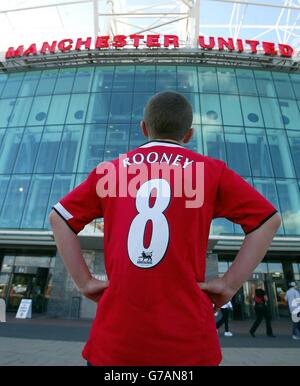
<point x="65" y="107"/>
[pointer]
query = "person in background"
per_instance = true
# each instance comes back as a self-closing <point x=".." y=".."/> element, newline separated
<point x="291" y="295"/>
<point x="262" y="312"/>
<point x="225" y="317"/>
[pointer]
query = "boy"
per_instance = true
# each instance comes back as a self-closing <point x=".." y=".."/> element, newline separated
<point x="156" y="308"/>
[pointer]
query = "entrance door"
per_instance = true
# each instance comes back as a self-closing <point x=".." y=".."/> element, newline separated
<point x="21" y="288"/>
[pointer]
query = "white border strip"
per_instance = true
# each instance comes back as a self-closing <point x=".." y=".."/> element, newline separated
<point x="157" y="143"/>
<point x="66" y="215"/>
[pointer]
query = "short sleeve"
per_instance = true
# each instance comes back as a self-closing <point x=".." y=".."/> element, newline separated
<point x="82" y="205"/>
<point x="240" y="203"/>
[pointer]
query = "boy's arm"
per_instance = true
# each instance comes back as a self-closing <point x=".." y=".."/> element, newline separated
<point x="69" y="249"/>
<point x="253" y="250"/>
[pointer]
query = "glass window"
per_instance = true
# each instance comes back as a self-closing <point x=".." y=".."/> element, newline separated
<point x="139" y="102"/>
<point x="9" y="149"/>
<point x="246" y="82"/>
<point x="46" y="159"/>
<point x="210" y="109"/>
<point x="117" y="141"/>
<point x="69" y="149"/>
<point x="3" y="79"/>
<point x="295" y="78"/>
<point x="280" y="153"/>
<point x="271" y="113"/>
<point x="237" y="152"/>
<point x="227" y="81"/>
<point x="144" y="79"/>
<point x="221" y="226"/>
<point x="64" y="81"/>
<point x="28" y="150"/>
<point x="123" y="79"/>
<point x="83" y="79"/>
<point x="213" y="142"/>
<point x="20" y="112"/>
<point x="264" y="82"/>
<point x="296" y="268"/>
<point x="92" y="147"/>
<point x="252" y="112"/>
<point x="14" y="202"/>
<point x="194" y="101"/>
<point x="195" y="144"/>
<point x="37" y="201"/>
<point x="294" y="140"/>
<point x="137" y="138"/>
<point x="98" y="108"/>
<point x="61" y="185"/>
<point x="290" y="114"/>
<point x="231" y="110"/>
<point x="58" y="109"/>
<point x="259" y="153"/>
<point x="4" y="180"/>
<point x="120" y="108"/>
<point x="261" y="268"/>
<point x="289" y="198"/>
<point x="77" y="108"/>
<point x="30" y="83"/>
<point x="165" y="78"/>
<point x="6" y="107"/>
<point x="39" y="110"/>
<point x="275" y="267"/>
<point x="267" y="188"/>
<point x="187" y="79"/>
<point x="103" y="79"/>
<point x="47" y="82"/>
<point x="207" y="78"/>
<point x="283" y="85"/>
<point x="222" y="266"/>
<point x="80" y="178"/>
<point x="12" y="85"/>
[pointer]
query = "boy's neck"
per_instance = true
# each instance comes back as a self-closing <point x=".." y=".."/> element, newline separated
<point x="165" y="140"/>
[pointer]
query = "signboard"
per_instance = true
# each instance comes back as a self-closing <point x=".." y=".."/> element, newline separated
<point x="2" y="311"/>
<point x="25" y="309"/>
<point x="150" y="41"/>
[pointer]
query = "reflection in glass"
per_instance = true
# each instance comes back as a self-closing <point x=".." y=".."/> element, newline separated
<point x="283" y="85"/>
<point x="187" y="79"/>
<point x="9" y="149"/>
<point x="213" y="142"/>
<point x="166" y="78"/>
<point x="103" y="79"/>
<point x="58" y="109"/>
<point x="6" y="107"/>
<point x="3" y="79"/>
<point x="92" y="148"/>
<point x="227" y="81"/>
<point x="271" y="113"/>
<point x="237" y="152"/>
<point x="47" y="82"/>
<point x="123" y="79"/>
<point x="252" y="112"/>
<point x="20" y="112"/>
<point x="46" y="159"/>
<point x="210" y="109"/>
<point x="120" y="108"/>
<point x="280" y="154"/>
<point x="12" y="85"/>
<point x="207" y="78"/>
<point x="195" y="144"/>
<point x="39" y="110"/>
<point x="294" y="140"/>
<point x="77" y="108"/>
<point x="231" y="110"/>
<point x="64" y="80"/>
<point x="83" y="79"/>
<point x="194" y="101"/>
<point x="28" y="150"/>
<point x="117" y="141"/>
<point x="144" y="79"/>
<point x="98" y="110"/>
<point x="69" y="149"/>
<point x="295" y="79"/>
<point x="139" y="102"/>
<point x="4" y="180"/>
<point x="37" y="200"/>
<point x="290" y="114"/>
<point x="289" y="198"/>
<point x="30" y="83"/>
<point x="246" y="82"/>
<point x="220" y="226"/>
<point x="264" y="82"/>
<point x="259" y="153"/>
<point x="137" y="138"/>
<point x="14" y="202"/>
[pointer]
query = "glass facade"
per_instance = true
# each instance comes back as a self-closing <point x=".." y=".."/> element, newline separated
<point x="56" y="125"/>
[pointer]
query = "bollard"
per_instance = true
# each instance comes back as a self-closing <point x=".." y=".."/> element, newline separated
<point x="2" y="310"/>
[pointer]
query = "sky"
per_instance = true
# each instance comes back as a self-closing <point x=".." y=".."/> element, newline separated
<point x="76" y="20"/>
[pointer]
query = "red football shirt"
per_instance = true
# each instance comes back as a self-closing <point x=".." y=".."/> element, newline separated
<point x="153" y="312"/>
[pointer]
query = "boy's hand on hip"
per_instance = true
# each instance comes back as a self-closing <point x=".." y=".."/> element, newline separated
<point x="218" y="291"/>
<point x="94" y="289"/>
